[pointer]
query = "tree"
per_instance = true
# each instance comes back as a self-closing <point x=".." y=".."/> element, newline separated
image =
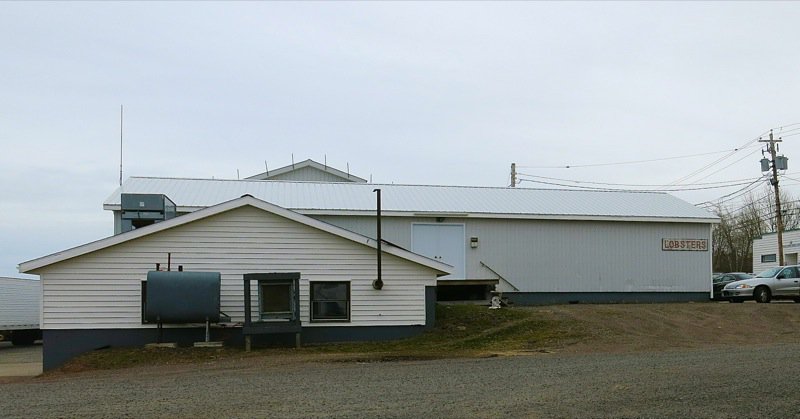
<point x="733" y="236"/>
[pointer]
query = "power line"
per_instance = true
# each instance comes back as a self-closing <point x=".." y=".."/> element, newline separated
<point x="629" y="190"/>
<point x="755" y="201"/>
<point x="789" y="125"/>
<point x="743" y="190"/>
<point x="573" y="166"/>
<point x="708" y="166"/>
<point x="723" y="183"/>
<point x="723" y="168"/>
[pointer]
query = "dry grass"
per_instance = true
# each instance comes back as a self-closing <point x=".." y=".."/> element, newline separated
<point x="461" y="331"/>
<point x="476" y="331"/>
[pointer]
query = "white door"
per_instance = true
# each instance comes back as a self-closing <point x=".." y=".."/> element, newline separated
<point x="443" y="242"/>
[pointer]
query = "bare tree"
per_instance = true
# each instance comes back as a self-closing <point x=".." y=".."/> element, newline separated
<point x="733" y="236"/>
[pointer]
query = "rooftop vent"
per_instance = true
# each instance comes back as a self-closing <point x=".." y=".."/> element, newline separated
<point x="140" y="210"/>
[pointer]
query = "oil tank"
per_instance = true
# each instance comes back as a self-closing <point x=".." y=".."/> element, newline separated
<point x="182" y="297"/>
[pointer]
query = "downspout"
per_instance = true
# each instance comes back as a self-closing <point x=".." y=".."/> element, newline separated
<point x="378" y="283"/>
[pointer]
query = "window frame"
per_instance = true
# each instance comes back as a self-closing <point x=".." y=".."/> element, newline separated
<point x="258" y="278"/>
<point x="769" y="258"/>
<point x="276" y="316"/>
<point x="312" y="300"/>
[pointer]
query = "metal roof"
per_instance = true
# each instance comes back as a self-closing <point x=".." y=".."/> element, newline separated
<point x="31" y="265"/>
<point x="421" y="200"/>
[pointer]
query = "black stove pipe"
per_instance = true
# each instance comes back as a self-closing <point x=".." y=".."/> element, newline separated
<point x="378" y="283"/>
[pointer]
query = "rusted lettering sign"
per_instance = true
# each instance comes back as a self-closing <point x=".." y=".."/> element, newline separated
<point x="695" y="245"/>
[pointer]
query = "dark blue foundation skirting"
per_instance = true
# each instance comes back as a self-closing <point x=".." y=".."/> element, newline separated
<point x="430" y="306"/>
<point x="59" y="346"/>
<point x="544" y="298"/>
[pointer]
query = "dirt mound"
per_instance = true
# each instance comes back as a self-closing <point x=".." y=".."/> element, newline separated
<point x="642" y="327"/>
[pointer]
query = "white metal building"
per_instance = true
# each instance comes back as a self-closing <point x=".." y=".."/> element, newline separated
<point x="20" y="306"/>
<point x="538" y="245"/>
<point x="765" y="250"/>
<point x="93" y="294"/>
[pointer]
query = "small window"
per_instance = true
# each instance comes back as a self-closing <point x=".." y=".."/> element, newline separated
<point x="330" y="301"/>
<point x="275" y="300"/>
<point x="768" y="258"/>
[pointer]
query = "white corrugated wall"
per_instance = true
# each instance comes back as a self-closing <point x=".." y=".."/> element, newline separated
<point x="568" y="256"/>
<point x="19" y="303"/>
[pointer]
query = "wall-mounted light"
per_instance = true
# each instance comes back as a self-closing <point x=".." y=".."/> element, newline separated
<point x="473" y="242"/>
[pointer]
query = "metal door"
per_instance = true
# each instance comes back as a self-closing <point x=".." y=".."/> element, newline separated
<point x="443" y="242"/>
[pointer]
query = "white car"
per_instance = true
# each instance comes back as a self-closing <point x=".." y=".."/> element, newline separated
<point x="782" y="282"/>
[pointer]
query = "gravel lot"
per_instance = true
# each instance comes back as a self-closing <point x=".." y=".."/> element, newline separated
<point x="731" y="381"/>
<point x="19" y="361"/>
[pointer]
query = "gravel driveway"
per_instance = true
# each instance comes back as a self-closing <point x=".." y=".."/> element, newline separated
<point x="19" y="361"/>
<point x="753" y="381"/>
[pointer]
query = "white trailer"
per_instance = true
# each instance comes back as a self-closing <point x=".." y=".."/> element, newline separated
<point x="20" y="303"/>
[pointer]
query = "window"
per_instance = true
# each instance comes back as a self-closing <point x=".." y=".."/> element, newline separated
<point x="275" y="300"/>
<point x="768" y="258"/>
<point x="330" y="301"/>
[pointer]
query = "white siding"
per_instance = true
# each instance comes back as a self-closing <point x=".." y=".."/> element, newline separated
<point x="568" y="256"/>
<point x="310" y="174"/>
<point x="768" y="245"/>
<point x="102" y="289"/>
<point x="19" y="303"/>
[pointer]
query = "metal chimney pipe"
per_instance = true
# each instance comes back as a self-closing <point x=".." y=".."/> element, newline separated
<point x="378" y="283"/>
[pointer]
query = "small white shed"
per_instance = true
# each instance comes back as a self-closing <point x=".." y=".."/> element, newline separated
<point x="93" y="294"/>
<point x="765" y="250"/>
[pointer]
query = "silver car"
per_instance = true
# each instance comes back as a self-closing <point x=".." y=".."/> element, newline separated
<point x="782" y="282"/>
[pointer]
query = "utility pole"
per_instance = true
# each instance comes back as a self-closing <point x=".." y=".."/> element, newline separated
<point x="513" y="175"/>
<point x="774" y="182"/>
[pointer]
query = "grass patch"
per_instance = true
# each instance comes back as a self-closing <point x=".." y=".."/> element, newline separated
<point x="469" y="330"/>
<point x="460" y="331"/>
<point x="115" y="358"/>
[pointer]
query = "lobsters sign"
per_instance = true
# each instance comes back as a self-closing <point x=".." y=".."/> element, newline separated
<point x="691" y="245"/>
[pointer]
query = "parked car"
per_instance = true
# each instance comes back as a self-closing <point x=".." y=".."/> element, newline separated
<point x="721" y="280"/>
<point x="782" y="282"/>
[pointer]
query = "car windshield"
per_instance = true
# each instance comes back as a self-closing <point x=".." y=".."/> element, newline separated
<point x="769" y="273"/>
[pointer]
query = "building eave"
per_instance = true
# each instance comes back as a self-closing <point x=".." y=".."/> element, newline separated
<point x="431" y="214"/>
<point x="32" y="265"/>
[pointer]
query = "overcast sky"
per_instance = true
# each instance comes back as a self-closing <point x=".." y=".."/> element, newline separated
<point x="433" y="93"/>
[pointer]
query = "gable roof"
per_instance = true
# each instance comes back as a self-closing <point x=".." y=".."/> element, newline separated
<point x="343" y="176"/>
<point x="246" y="200"/>
<point x="325" y="198"/>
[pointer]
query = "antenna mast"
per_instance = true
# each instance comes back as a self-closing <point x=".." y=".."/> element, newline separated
<point x="120" y="145"/>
